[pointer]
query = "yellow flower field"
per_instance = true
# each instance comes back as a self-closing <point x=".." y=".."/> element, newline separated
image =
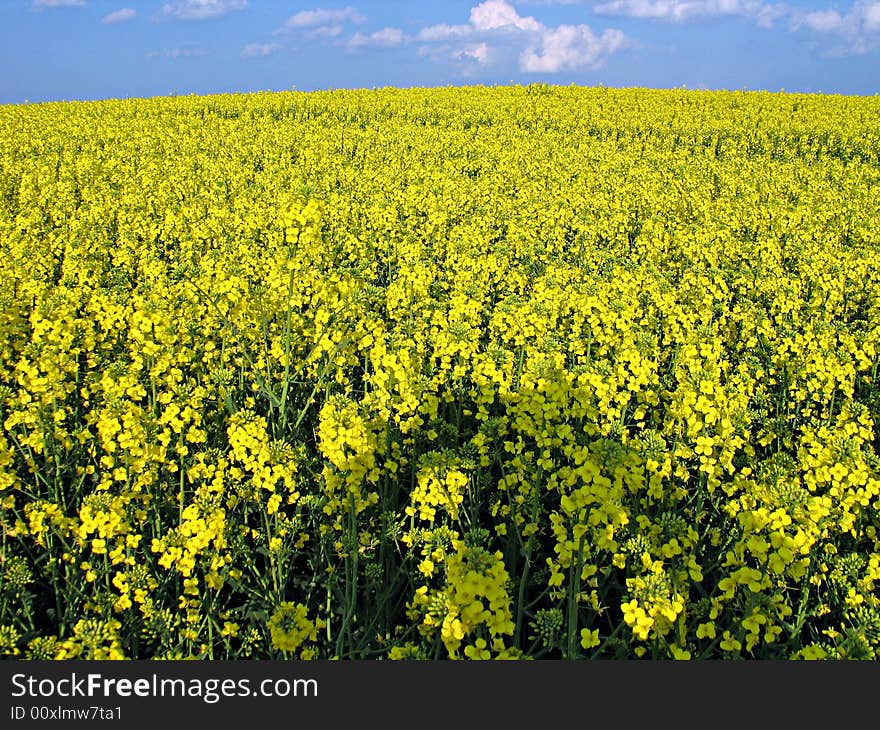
<point x="484" y="372"/>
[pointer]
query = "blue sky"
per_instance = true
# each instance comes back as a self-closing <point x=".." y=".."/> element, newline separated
<point x="97" y="49"/>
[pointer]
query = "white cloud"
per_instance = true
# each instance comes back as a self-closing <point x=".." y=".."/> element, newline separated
<point x="322" y="17"/>
<point x="200" y="9"/>
<point x="479" y="52"/>
<point x="181" y="52"/>
<point x="386" y="37"/>
<point x="259" y="50"/>
<point x="496" y="24"/>
<point x="444" y="32"/>
<point x="58" y="3"/>
<point x="856" y="31"/>
<point x="872" y="17"/>
<point x="571" y="47"/>
<point x="493" y="14"/>
<point x="119" y="16"/>
<point x="823" y="21"/>
<point x="767" y="15"/>
<point x="653" y="9"/>
<point x="679" y="11"/>
<point x="325" y="31"/>
<point x="495" y="31"/>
